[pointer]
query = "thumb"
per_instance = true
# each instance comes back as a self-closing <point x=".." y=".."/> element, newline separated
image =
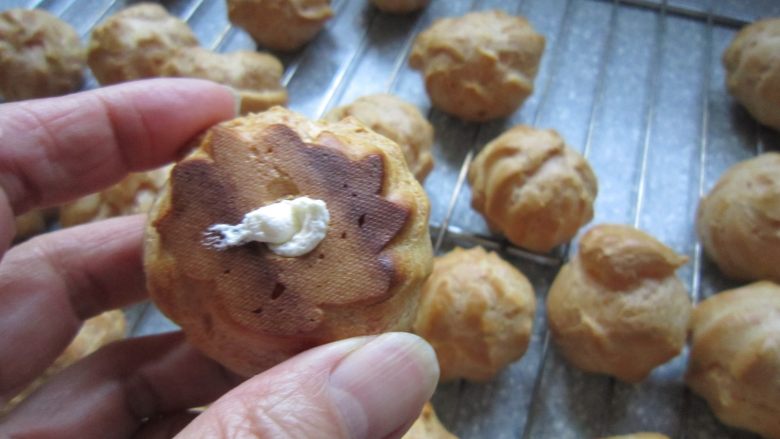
<point x="367" y="387"/>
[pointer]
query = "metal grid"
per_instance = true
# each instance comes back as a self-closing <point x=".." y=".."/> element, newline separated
<point x="636" y="83"/>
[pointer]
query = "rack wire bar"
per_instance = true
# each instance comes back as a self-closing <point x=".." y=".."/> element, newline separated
<point x="594" y="110"/>
<point x="684" y="12"/>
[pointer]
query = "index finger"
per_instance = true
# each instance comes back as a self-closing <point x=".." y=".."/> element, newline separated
<point x="53" y="150"/>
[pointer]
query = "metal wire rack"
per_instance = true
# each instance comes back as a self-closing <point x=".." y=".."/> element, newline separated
<point x="635" y="85"/>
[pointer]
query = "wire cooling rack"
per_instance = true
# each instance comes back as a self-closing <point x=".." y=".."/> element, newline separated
<point x="635" y="85"/>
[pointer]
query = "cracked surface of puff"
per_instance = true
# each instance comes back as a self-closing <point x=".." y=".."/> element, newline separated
<point x="135" y="43"/>
<point x="735" y="356"/>
<point x="95" y="333"/>
<point x="399" y="6"/>
<point x="397" y="120"/>
<point x="477" y="311"/>
<point x="428" y="426"/>
<point x="480" y="66"/>
<point x="40" y="55"/>
<point x="738" y="222"/>
<point x="752" y="63"/>
<point x="280" y="24"/>
<point x="533" y="188"/>
<point x="255" y="76"/>
<point x="617" y="307"/>
<point x="134" y="194"/>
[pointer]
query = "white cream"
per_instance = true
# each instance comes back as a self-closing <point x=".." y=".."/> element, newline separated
<point x="290" y="227"/>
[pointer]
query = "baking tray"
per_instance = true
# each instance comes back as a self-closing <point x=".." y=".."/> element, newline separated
<point x="635" y="85"/>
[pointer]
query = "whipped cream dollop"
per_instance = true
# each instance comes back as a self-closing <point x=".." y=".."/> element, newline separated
<point x="290" y="228"/>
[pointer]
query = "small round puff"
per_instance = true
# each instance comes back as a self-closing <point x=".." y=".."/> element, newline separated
<point x="753" y="70"/>
<point x="617" y="307"/>
<point x="94" y="334"/>
<point x="249" y="308"/>
<point x="738" y="222"/>
<point x="399" y="6"/>
<point x="40" y="55"/>
<point x="428" y="426"/>
<point x="134" y="194"/>
<point x="533" y="188"/>
<point x="480" y="66"/>
<point x="735" y="356"/>
<point x="397" y="120"/>
<point x="135" y="43"/>
<point x="643" y="435"/>
<point x="280" y="24"/>
<point x="477" y="312"/>
<point x="255" y="76"/>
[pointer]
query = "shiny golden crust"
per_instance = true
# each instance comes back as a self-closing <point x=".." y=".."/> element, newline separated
<point x="280" y="24"/>
<point x="480" y="66"/>
<point x="40" y="55"/>
<point x="428" y="426"/>
<point x="135" y="194"/>
<point x="533" y="188"/>
<point x="735" y="356"/>
<point x="135" y="43"/>
<point x="739" y="220"/>
<point x="477" y="311"/>
<point x="95" y="333"/>
<point x="617" y="307"/>
<point x="255" y="76"/>
<point x="397" y="120"/>
<point x="249" y="308"/>
<point x="639" y="436"/>
<point x="752" y="63"/>
<point x="399" y="6"/>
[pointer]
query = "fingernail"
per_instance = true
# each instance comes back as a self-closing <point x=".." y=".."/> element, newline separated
<point x="236" y="100"/>
<point x="382" y="385"/>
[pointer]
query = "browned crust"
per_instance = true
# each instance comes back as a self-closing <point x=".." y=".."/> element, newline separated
<point x="251" y="308"/>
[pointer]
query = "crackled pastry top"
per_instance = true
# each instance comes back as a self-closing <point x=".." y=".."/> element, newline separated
<point x="397" y="120"/>
<point x="480" y="66"/>
<point x="533" y="188"/>
<point x="40" y="55"/>
<point x="477" y="312"/>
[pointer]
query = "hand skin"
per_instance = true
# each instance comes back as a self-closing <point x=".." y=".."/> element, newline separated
<point x="54" y="150"/>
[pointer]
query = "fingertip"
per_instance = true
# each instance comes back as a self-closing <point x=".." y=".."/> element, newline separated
<point x="382" y="386"/>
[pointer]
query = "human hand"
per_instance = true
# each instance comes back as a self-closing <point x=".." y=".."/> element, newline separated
<point x="55" y="150"/>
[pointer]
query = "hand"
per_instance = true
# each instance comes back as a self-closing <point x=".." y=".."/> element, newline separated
<point x="55" y="150"/>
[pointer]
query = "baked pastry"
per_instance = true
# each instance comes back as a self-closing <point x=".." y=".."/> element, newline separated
<point x="397" y="120"/>
<point x="738" y="222"/>
<point x="134" y="194"/>
<point x="30" y="223"/>
<point x="753" y="70"/>
<point x="735" y="356"/>
<point x="480" y="66"/>
<point x="94" y="333"/>
<point x="399" y="6"/>
<point x="346" y="222"/>
<point x="617" y="307"/>
<point x="639" y="436"/>
<point x="40" y="55"/>
<point x="280" y="24"/>
<point x="255" y="76"/>
<point x="477" y="312"/>
<point x="428" y="426"/>
<point x="533" y="188"/>
<point x="135" y="43"/>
